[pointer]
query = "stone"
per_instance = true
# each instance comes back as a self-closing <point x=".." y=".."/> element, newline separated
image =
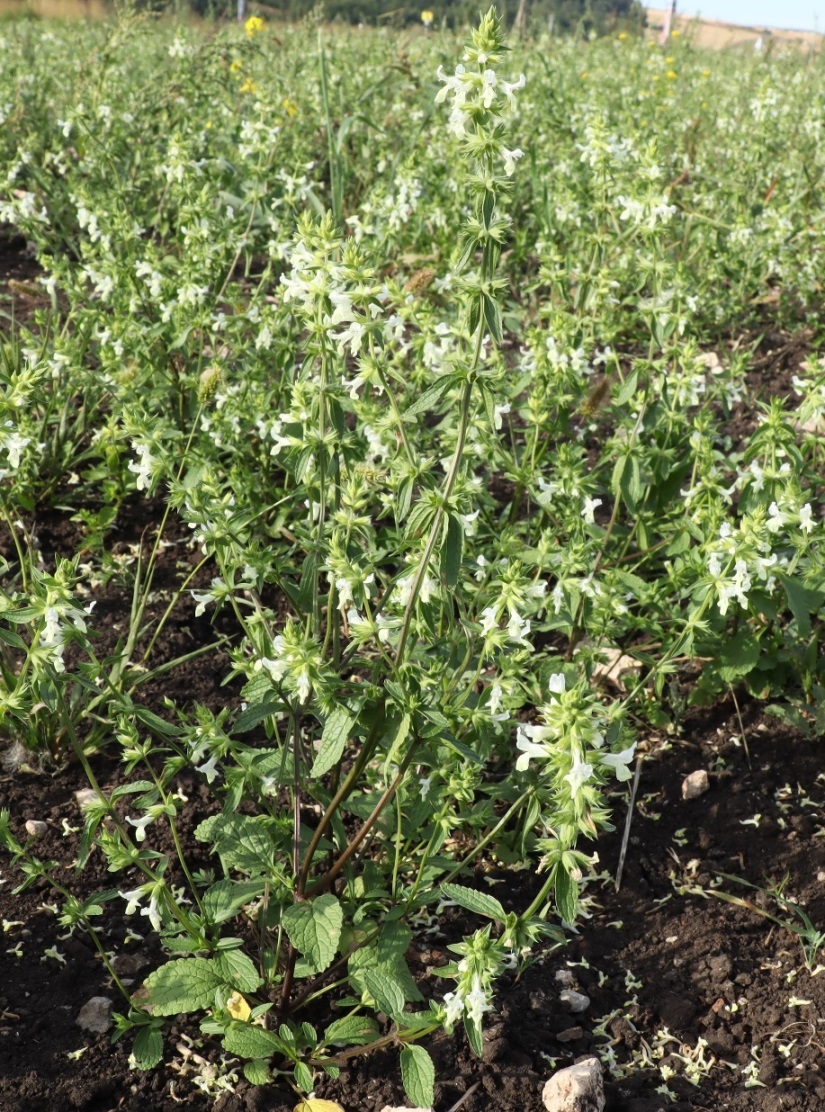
<point x="96" y="1015"/>
<point x="574" y="1002"/>
<point x="401" y="1108"/>
<point x="696" y="784"/>
<point x="35" y="828"/>
<point x="579" y="1088"/>
<point x="565" y="978"/>
<point x="571" y="1034"/>
<point x="85" y="797"/>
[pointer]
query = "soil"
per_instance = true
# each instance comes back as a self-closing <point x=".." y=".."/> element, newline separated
<point x="693" y="1002"/>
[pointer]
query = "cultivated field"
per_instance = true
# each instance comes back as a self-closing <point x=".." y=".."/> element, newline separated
<point x="412" y="569"/>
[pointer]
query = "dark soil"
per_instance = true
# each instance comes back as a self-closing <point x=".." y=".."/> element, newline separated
<point x="694" y="1003"/>
<point x="677" y="979"/>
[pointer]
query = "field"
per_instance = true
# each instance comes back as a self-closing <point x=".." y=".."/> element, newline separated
<point x="411" y="520"/>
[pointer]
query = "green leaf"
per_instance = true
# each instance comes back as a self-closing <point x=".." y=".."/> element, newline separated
<point x="154" y="722"/>
<point x="430" y="398"/>
<point x="237" y="969"/>
<point x="252" y="716"/>
<point x="474" y="1036"/>
<point x="337" y="730"/>
<point x="802" y="602"/>
<point x="478" y="902"/>
<point x="247" y="1040"/>
<point x="452" y="551"/>
<point x="628" y="389"/>
<point x="8" y="637"/>
<point x="387" y="955"/>
<point x="492" y="317"/>
<point x="314" y="928"/>
<point x="354" y="1030"/>
<point x="401" y="734"/>
<point x="385" y="991"/>
<point x="257" y="1072"/>
<point x="181" y="986"/>
<point x="303" y="1076"/>
<point x="739" y="656"/>
<point x="147" y="1049"/>
<point x="567" y="895"/>
<point x="418" y="1076"/>
<point x="223" y="900"/>
<point x="243" y="842"/>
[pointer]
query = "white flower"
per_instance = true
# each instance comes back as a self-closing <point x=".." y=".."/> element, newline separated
<point x="529" y="740"/>
<point x="589" y="505"/>
<point x="518" y="628"/>
<point x="142" y="467"/>
<point x="620" y="762"/>
<point x="140" y="826"/>
<point x="578" y="775"/>
<point x="209" y="769"/>
<point x="556" y="684"/>
<point x="490" y="620"/>
<point x="454" y="1009"/>
<point x="476" y="1004"/>
<point x="806" y="522"/>
<point x="510" y="159"/>
<point x="508" y="88"/>
<point x="499" y="412"/>
<point x="776" y="519"/>
<point x="496" y="695"/>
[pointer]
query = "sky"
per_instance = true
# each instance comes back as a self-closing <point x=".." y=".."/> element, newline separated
<point x="799" y="15"/>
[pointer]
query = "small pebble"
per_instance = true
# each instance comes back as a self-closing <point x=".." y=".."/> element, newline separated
<point x="85" y="796"/>
<point x="35" y="828"/>
<point x="565" y="977"/>
<point x="575" y="1002"/>
<point x="570" y="1035"/>
<point x="96" y="1015"/>
<point x="579" y="1088"/>
<point x="696" y="784"/>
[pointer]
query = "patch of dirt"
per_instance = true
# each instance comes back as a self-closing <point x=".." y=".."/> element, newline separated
<point x="677" y="979"/>
<point x="20" y="291"/>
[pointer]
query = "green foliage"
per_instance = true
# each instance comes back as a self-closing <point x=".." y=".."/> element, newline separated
<point x="426" y="369"/>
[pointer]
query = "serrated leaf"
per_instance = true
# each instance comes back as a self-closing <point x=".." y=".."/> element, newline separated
<point x="337" y="729"/>
<point x="147" y="1049"/>
<point x="739" y="656"/>
<point x="243" y="842"/>
<point x="181" y="986"/>
<point x="257" y="1072"/>
<point x="418" y="1076"/>
<point x="385" y="991"/>
<point x="478" y="902"/>
<point x="247" y="1040"/>
<point x="223" y="900"/>
<point x="802" y="602"/>
<point x="236" y="969"/>
<point x="314" y="928"/>
<point x="352" y="1030"/>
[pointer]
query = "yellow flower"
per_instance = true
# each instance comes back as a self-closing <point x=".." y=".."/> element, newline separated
<point x="253" y="26"/>
<point x="427" y="18"/>
<point x="235" y="66"/>
<point x="622" y="36"/>
<point x="671" y="74"/>
<point x="705" y="73"/>
<point x="289" y="106"/>
<point x="249" y="86"/>
<point x="669" y="61"/>
<point x="675" y="34"/>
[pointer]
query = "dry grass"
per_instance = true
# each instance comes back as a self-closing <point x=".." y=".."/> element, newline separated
<point x="56" y="9"/>
<point x="716" y="35"/>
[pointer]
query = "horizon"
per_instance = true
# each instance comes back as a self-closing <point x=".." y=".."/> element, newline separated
<point x="794" y="15"/>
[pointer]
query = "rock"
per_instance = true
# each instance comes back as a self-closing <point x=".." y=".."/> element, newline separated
<point x="127" y="965"/>
<point x="696" y="784"/>
<point x="570" y="1034"/>
<point x="35" y="828"/>
<point x="96" y="1015"/>
<point x="565" y="977"/>
<point x="579" y="1088"/>
<point x="85" y="797"/>
<point x="400" y="1108"/>
<point x="575" y="1002"/>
